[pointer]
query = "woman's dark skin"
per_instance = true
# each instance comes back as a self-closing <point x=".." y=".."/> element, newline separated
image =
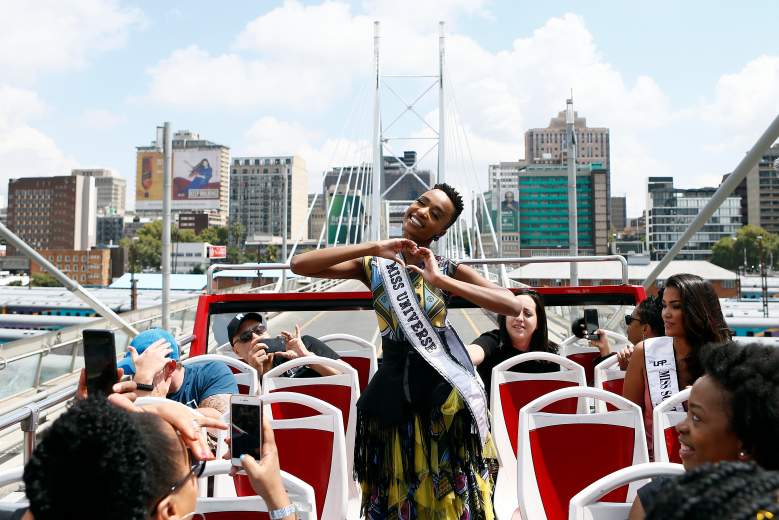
<point x="425" y="219"/>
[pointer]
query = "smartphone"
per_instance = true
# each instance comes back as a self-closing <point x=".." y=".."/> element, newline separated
<point x="245" y="427"/>
<point x="99" y="361"/>
<point x="591" y="323"/>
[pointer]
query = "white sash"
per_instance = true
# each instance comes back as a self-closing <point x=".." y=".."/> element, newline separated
<point x="661" y="370"/>
<point x="422" y="336"/>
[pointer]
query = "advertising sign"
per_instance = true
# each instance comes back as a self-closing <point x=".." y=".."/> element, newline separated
<point x="346" y="202"/>
<point x="148" y="180"/>
<point x="217" y="251"/>
<point x="509" y="210"/>
<point x="196" y="179"/>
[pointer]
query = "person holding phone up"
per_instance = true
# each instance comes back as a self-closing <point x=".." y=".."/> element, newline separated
<point x="153" y="360"/>
<point x="251" y="341"/>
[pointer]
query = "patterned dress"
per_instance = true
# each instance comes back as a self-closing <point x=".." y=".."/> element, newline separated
<point x="417" y="453"/>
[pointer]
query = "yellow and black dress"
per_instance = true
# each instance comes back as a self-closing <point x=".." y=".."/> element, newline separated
<point x="417" y="453"/>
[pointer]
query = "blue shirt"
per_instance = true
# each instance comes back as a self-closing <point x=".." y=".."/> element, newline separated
<point x="204" y="380"/>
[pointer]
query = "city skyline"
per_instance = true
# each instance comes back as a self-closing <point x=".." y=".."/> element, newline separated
<point x="86" y="82"/>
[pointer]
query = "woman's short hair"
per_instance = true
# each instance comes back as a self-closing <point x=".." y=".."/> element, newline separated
<point x="749" y="374"/>
<point x="97" y="461"/>
<point x="649" y="312"/>
<point x="733" y="490"/>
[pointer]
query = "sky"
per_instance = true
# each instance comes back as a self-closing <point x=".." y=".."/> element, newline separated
<point x="685" y="87"/>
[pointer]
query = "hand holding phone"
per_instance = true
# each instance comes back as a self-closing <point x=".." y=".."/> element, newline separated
<point x="245" y="427"/>
<point x="591" y="323"/>
<point x="100" y="361"/>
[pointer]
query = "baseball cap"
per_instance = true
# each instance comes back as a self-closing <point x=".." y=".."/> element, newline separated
<point x="142" y="341"/>
<point x="237" y="321"/>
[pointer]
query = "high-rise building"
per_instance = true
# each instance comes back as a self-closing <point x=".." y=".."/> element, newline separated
<point x="619" y="214"/>
<point x="53" y="212"/>
<point x="111" y="189"/>
<point x="760" y="192"/>
<point x="317" y="219"/>
<point x="110" y="230"/>
<point x="256" y="195"/>
<point x="401" y="180"/>
<point x="549" y="145"/>
<point x="671" y="211"/>
<point x="532" y="200"/>
<point x="201" y="178"/>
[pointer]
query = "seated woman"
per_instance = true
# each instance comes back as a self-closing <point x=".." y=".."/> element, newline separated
<point x="100" y="460"/>
<point x="732" y="413"/>
<point x="515" y="335"/>
<point x="644" y="322"/>
<point x="660" y="367"/>
<point x="736" y="490"/>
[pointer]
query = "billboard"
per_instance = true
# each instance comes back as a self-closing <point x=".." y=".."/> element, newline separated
<point x="196" y="179"/>
<point x="148" y="180"/>
<point x="217" y="251"/>
<point x="339" y="202"/>
<point x="509" y="209"/>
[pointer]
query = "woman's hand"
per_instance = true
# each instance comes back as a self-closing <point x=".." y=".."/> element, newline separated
<point x="265" y="474"/>
<point x="601" y="343"/>
<point x="392" y="249"/>
<point x="430" y="273"/>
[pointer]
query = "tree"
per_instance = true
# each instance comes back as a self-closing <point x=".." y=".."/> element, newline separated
<point x="44" y="280"/>
<point x="270" y="255"/>
<point x="746" y="249"/>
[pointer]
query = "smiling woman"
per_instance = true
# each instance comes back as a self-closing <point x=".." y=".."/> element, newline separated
<point x="423" y="447"/>
<point x="526" y="332"/>
<point x="661" y="366"/>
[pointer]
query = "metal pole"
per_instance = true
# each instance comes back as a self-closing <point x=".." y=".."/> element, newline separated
<point x="167" y="158"/>
<point x="441" y="118"/>
<point x="726" y="188"/>
<point x="284" y="234"/>
<point x="377" y="147"/>
<point x="69" y="284"/>
<point x="573" y="227"/>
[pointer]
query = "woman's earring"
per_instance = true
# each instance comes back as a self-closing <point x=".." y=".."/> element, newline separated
<point x="742" y="455"/>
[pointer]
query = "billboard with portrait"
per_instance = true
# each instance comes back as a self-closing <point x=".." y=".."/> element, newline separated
<point x="509" y="209"/>
<point x="148" y="180"/>
<point x="196" y="179"/>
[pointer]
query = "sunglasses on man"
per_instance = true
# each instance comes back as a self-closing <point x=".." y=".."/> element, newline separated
<point x="247" y="335"/>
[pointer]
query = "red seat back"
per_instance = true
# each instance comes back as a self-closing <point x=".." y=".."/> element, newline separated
<point x="516" y="394"/>
<point x="614" y="386"/>
<point x="672" y="444"/>
<point x="337" y="395"/>
<point x="569" y="457"/>
<point x="586" y="360"/>
<point x="242" y="389"/>
<point x="304" y="453"/>
<point x="363" y="367"/>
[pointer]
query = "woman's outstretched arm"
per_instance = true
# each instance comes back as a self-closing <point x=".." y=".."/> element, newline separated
<point x="344" y="262"/>
<point x="469" y="284"/>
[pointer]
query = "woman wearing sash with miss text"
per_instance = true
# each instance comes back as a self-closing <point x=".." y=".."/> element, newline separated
<point x="662" y="366"/>
<point x="423" y="447"/>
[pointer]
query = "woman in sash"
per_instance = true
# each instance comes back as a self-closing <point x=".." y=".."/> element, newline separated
<point x="423" y="448"/>
<point x="661" y="366"/>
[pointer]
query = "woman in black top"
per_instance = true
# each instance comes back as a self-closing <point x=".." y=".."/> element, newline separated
<point x="525" y="333"/>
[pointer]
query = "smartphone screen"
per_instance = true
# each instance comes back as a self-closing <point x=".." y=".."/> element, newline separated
<point x="591" y="322"/>
<point x="245" y="427"/>
<point x="99" y="361"/>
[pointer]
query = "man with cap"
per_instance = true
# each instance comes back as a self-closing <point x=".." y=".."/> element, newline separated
<point x="252" y="342"/>
<point x="153" y="360"/>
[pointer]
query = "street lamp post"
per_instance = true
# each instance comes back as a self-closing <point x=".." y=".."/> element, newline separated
<point x="763" y="276"/>
<point x="133" y="282"/>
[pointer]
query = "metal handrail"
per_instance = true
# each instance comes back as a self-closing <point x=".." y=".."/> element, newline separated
<point x="28" y="415"/>
<point x="553" y="259"/>
<point x="215" y="268"/>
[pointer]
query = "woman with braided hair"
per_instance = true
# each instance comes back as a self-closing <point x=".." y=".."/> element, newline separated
<point x="733" y="490"/>
<point x="732" y="415"/>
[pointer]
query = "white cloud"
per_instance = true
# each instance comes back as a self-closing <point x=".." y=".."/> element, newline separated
<point x="54" y="35"/>
<point x="99" y="119"/>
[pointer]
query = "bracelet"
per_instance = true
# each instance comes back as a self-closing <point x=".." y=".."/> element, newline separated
<point x="279" y="514"/>
<point x="144" y="387"/>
